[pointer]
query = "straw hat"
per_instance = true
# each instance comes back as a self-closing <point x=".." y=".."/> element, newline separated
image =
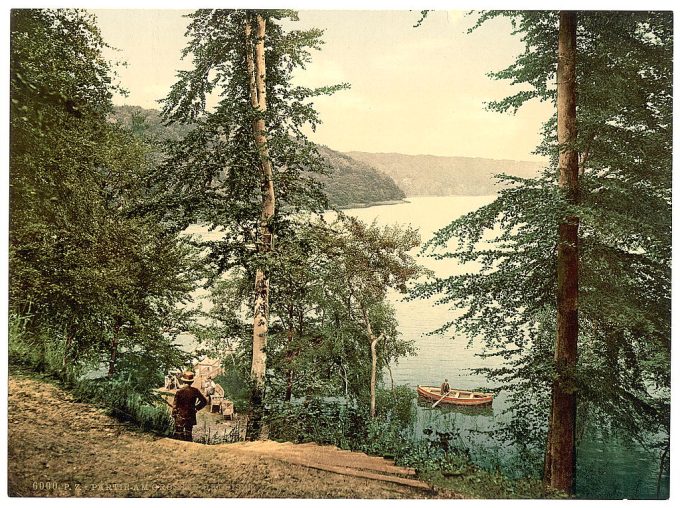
<point x="187" y="377"/>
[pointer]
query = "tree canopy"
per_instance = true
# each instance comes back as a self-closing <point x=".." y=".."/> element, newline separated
<point x="99" y="277"/>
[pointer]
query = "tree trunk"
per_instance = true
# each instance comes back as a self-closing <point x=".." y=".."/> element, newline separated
<point x="112" y="356"/>
<point x="389" y="369"/>
<point x="290" y="355"/>
<point x="562" y="444"/>
<point x="114" y="346"/>
<point x="256" y="63"/>
<point x="547" y="461"/>
<point x="71" y="353"/>
<point x="67" y="347"/>
<point x="290" y="376"/>
<point x="387" y="364"/>
<point x="344" y="378"/>
<point x="374" y="369"/>
<point x="374" y="358"/>
<point x="662" y="467"/>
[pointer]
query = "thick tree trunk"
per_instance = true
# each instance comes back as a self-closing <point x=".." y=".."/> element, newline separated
<point x="547" y="461"/>
<point x="562" y="453"/>
<point x="256" y="63"/>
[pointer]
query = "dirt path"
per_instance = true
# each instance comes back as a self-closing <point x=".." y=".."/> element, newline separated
<point x="58" y="447"/>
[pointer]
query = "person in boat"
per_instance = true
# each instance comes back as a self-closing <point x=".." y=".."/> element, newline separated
<point x="445" y="388"/>
<point x="188" y="401"/>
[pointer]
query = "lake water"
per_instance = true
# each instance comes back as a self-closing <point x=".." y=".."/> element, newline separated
<point x="605" y="469"/>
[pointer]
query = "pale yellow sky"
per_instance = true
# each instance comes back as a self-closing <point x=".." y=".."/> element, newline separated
<point x="414" y="90"/>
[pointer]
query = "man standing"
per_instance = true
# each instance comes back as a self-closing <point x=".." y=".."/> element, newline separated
<point x="445" y="388"/>
<point x="188" y="401"/>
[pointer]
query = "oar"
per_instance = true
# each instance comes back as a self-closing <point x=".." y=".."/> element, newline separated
<point x="442" y="398"/>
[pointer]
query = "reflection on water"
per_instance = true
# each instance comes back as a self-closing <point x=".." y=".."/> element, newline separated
<point x="485" y="410"/>
<point x="606" y="469"/>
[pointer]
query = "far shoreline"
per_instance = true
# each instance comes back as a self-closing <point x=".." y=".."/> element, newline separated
<point x="374" y="203"/>
<point x="407" y="200"/>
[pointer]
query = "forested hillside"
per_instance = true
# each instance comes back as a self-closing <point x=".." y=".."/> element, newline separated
<point x="353" y="182"/>
<point x="349" y="182"/>
<point x="430" y="175"/>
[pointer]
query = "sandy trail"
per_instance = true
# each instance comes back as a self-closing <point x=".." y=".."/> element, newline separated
<point x="59" y="447"/>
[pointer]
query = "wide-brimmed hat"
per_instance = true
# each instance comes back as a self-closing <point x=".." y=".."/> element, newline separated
<point x="187" y="377"/>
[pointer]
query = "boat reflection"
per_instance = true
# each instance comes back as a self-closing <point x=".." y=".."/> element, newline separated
<point x="485" y="410"/>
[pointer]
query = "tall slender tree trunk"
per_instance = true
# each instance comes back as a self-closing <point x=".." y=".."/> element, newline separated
<point x="115" y="340"/>
<point x="290" y="355"/>
<point x="374" y="358"/>
<point x="562" y="444"/>
<point x="387" y="364"/>
<point x="67" y="349"/>
<point x="256" y="62"/>
<point x="71" y="355"/>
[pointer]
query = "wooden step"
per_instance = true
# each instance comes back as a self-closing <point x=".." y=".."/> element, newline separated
<point x="315" y="455"/>
<point x="410" y="482"/>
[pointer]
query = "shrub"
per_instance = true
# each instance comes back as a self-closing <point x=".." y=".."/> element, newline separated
<point x="38" y="350"/>
<point x="337" y="422"/>
<point x="127" y="397"/>
<point x="124" y="402"/>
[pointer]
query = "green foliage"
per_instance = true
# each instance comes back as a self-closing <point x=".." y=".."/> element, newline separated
<point x="315" y="420"/>
<point x="212" y="176"/>
<point x="624" y="85"/>
<point x="127" y="396"/>
<point x="236" y="384"/>
<point x="344" y="422"/>
<point x="396" y="405"/>
<point x="347" y="424"/>
<point x="35" y="349"/>
<point x="318" y="343"/>
<point x="148" y="124"/>
<point x="94" y="280"/>
<point x="126" y="400"/>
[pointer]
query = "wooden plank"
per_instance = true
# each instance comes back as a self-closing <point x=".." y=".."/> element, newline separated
<point x="347" y="471"/>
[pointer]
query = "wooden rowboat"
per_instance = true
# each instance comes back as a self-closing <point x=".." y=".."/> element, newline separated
<point x="455" y="396"/>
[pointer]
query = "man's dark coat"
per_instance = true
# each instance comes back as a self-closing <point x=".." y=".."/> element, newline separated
<point x="185" y="404"/>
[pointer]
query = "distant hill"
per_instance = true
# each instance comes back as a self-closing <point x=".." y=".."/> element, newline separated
<point x="355" y="183"/>
<point x="349" y="183"/>
<point x="430" y="175"/>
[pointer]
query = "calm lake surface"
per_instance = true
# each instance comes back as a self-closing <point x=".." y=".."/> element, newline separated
<point x="606" y="469"/>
